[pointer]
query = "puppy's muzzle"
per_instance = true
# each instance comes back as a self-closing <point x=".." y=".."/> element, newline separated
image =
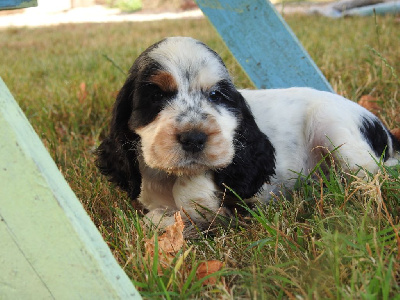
<point x="192" y="141"/>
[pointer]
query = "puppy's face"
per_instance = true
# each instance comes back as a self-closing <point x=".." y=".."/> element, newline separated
<point x="185" y="108"/>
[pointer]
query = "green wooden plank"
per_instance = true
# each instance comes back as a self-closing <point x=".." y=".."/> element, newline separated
<point x="263" y="44"/>
<point x="49" y="246"/>
<point x="18" y="279"/>
<point x="13" y="4"/>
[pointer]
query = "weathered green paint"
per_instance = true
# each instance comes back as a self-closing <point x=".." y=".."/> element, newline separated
<point x="263" y="44"/>
<point x="49" y="247"/>
<point x="14" y="4"/>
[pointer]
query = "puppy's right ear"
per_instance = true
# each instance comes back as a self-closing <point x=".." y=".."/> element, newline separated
<point x="254" y="160"/>
<point x="117" y="154"/>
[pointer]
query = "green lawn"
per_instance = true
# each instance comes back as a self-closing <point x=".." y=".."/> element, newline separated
<point x="336" y="238"/>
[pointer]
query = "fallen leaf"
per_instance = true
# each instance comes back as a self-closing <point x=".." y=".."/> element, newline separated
<point x="208" y="268"/>
<point x="82" y="94"/>
<point x="172" y="239"/>
<point x="169" y="243"/>
<point x="371" y="103"/>
<point x="396" y="133"/>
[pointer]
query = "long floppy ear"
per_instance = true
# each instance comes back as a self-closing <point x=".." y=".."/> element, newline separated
<point x="254" y="160"/>
<point x="117" y="154"/>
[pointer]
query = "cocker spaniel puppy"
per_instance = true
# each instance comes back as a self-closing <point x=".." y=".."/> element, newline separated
<point x="181" y="132"/>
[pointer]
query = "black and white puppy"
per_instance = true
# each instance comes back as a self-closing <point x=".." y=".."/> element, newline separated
<point x="181" y="131"/>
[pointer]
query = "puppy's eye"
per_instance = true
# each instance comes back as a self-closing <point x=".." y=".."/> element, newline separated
<point x="158" y="96"/>
<point x="216" y="96"/>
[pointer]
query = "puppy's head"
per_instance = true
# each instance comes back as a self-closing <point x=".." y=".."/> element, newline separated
<point x="184" y="107"/>
<point x="185" y="116"/>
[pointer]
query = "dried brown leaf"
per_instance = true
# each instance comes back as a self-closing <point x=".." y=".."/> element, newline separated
<point x="207" y="268"/>
<point x="371" y="103"/>
<point x="169" y="243"/>
<point x="82" y="94"/>
<point x="396" y="133"/>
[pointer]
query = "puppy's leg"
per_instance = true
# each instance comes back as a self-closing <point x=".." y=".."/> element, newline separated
<point x="351" y="151"/>
<point x="156" y="196"/>
<point x="196" y="197"/>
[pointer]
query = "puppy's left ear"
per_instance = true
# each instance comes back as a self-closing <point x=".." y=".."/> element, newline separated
<point x="254" y="160"/>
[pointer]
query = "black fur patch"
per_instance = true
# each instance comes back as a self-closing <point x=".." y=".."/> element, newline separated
<point x="254" y="160"/>
<point x="376" y="136"/>
<point x="230" y="98"/>
<point x="146" y="99"/>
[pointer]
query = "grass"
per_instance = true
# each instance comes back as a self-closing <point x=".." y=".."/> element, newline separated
<point x="337" y="236"/>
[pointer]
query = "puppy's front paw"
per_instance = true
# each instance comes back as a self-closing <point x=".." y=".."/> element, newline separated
<point x="159" y="218"/>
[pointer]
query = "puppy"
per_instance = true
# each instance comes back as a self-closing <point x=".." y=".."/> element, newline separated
<point x="181" y="133"/>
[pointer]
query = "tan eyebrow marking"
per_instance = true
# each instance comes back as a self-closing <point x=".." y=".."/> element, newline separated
<point x="165" y="81"/>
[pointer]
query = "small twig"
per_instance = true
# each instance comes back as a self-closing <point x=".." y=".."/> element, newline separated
<point x="114" y="63"/>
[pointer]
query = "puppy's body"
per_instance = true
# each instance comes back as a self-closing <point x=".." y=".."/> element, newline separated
<point x="304" y="125"/>
<point x="181" y="132"/>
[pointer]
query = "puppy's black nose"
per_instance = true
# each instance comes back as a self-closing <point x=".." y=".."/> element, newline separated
<point x="192" y="141"/>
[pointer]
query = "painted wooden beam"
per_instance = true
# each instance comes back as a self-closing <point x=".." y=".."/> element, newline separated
<point x="49" y="247"/>
<point x="263" y="44"/>
<point x="386" y="8"/>
<point x="13" y="4"/>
